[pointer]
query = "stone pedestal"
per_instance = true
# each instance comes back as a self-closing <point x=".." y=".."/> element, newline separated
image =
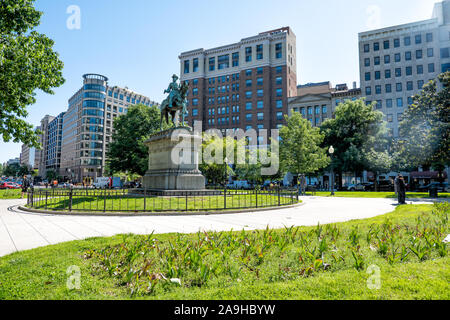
<point x="173" y="165"/>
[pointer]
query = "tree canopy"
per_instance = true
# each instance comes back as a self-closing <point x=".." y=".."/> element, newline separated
<point x="300" y="147"/>
<point x="27" y="63"/>
<point x="127" y="151"/>
<point x="425" y="129"/>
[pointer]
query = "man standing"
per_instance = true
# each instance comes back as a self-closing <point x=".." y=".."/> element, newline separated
<point x="25" y="185"/>
<point x="401" y="190"/>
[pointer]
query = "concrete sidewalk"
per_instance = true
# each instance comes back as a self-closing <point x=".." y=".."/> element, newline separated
<point x="22" y="230"/>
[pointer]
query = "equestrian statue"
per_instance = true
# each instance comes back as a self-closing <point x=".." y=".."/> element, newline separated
<point x="176" y="101"/>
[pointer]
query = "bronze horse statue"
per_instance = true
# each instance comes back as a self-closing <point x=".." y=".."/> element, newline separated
<point x="175" y="102"/>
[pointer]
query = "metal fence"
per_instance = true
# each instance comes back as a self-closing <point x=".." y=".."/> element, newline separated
<point x="88" y="200"/>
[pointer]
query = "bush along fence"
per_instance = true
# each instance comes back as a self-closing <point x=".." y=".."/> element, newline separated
<point x="88" y="200"/>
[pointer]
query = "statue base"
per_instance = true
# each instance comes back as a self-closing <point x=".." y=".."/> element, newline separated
<point x="171" y="165"/>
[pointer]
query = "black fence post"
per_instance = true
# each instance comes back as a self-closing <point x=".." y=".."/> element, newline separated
<point x="279" y="196"/>
<point x="256" y="195"/>
<point x="145" y="198"/>
<point x="31" y="197"/>
<point x="187" y="201"/>
<point x="104" y="202"/>
<point x="225" y="197"/>
<point x="70" y="199"/>
<point x="46" y="197"/>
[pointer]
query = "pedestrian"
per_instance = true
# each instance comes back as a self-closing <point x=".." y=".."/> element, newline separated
<point x="401" y="190"/>
<point x="25" y="185"/>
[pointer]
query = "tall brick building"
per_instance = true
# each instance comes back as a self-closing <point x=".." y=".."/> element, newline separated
<point x="242" y="85"/>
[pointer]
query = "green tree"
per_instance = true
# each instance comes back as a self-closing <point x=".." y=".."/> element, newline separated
<point x="51" y="175"/>
<point x="11" y="170"/>
<point x="425" y="129"/>
<point x="356" y="130"/>
<point x="127" y="151"/>
<point x="300" y="147"/>
<point x="23" y="171"/>
<point x="27" y="63"/>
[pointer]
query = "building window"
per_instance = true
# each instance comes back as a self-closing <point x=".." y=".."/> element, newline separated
<point x="388" y="103"/>
<point x="430" y="52"/>
<point x="378" y="104"/>
<point x="419" y="54"/>
<point x="259" y="52"/>
<point x="248" y="73"/>
<point x="279" y="69"/>
<point x="279" y="115"/>
<point x="386" y="44"/>
<point x="420" y="69"/>
<point x="387" y="59"/>
<point x="279" y="80"/>
<point x="212" y="64"/>
<point x="367" y="76"/>
<point x="260" y="116"/>
<point x="398" y="72"/>
<point x="248" y="106"/>
<point x="429" y="37"/>
<point x="368" y="91"/>
<point x="367" y="62"/>
<point x="388" y="88"/>
<point x="420" y="84"/>
<point x="398" y="87"/>
<point x="195" y="82"/>
<point x="248" y="94"/>
<point x="445" y="53"/>
<point x="279" y="104"/>
<point x="259" y="70"/>
<point x="366" y="48"/>
<point x="259" y="81"/>
<point x="248" y="117"/>
<point x="389" y="118"/>
<point x="409" y="71"/>
<point x="223" y="62"/>
<point x="377" y="89"/>
<point x="399" y="102"/>
<point x="376" y="46"/>
<point x="195" y="65"/>
<point x="279" y="92"/>
<point x="410" y="100"/>
<point x="324" y="109"/>
<point x="407" y="41"/>
<point x="409" y="85"/>
<point x="195" y="91"/>
<point x="396" y="43"/>
<point x="248" y="54"/>
<point x="278" y="50"/>
<point x="186" y="66"/>
<point x="377" y="75"/>
<point x="408" y="55"/>
<point x="260" y="93"/>
<point x="431" y="67"/>
<point x="235" y="58"/>
<point x="248" y="83"/>
<point x="376" y="61"/>
<point x="260" y="104"/>
<point x="194" y="112"/>
<point x="195" y="102"/>
<point x="397" y="57"/>
<point x="418" y="39"/>
<point x="387" y="74"/>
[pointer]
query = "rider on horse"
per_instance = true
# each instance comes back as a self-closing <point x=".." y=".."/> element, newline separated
<point x="173" y="90"/>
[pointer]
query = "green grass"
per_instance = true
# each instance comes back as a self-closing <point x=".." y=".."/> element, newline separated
<point x="125" y="202"/>
<point x="10" y="193"/>
<point x="262" y="264"/>
<point x="369" y="194"/>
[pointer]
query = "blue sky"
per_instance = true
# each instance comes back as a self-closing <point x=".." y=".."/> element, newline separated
<point x="136" y="43"/>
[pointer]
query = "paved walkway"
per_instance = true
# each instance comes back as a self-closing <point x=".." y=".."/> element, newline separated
<point x="22" y="230"/>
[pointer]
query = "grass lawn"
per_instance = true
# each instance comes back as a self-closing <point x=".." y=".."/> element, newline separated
<point x="10" y="193"/>
<point x="125" y="202"/>
<point x="369" y="194"/>
<point x="323" y="262"/>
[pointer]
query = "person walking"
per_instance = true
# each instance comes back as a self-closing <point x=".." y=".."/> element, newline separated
<point x="25" y="185"/>
<point x="401" y="190"/>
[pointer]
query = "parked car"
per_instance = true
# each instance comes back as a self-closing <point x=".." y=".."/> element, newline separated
<point x="365" y="186"/>
<point x="440" y="187"/>
<point x="239" y="184"/>
<point x="9" y="185"/>
<point x="385" y="185"/>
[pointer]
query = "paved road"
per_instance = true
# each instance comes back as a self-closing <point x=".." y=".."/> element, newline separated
<point x="22" y="230"/>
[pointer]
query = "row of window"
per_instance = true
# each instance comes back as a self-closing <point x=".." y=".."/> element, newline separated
<point x="129" y="99"/>
<point x="389" y="102"/>
<point x="223" y="61"/>
<point x="398" y="57"/>
<point x="398" y="87"/>
<point x="311" y="110"/>
<point x="396" y="42"/>
<point x="398" y="72"/>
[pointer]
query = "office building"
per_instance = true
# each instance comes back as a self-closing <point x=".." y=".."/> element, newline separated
<point x="396" y="62"/>
<point x="87" y="126"/>
<point x="42" y="167"/>
<point x="53" y="139"/>
<point x="318" y="101"/>
<point x="242" y="85"/>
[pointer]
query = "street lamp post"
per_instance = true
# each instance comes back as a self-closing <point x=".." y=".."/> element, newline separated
<point x="331" y="152"/>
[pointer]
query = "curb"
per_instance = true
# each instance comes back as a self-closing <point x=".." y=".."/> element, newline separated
<point x="156" y="214"/>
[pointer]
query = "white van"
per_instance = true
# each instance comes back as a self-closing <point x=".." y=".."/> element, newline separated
<point x="102" y="182"/>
